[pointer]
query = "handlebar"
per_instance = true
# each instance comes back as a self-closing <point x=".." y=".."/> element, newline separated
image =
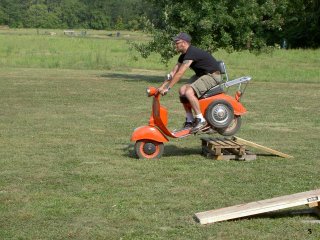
<point x="152" y="91"/>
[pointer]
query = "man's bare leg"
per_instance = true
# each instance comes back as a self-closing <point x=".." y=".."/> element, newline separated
<point x="187" y="108"/>
<point x="200" y="122"/>
<point x="189" y="93"/>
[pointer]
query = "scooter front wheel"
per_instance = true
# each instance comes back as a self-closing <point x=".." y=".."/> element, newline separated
<point x="148" y="149"/>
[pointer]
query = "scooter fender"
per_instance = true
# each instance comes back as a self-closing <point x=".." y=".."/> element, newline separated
<point x="238" y="108"/>
<point x="148" y="132"/>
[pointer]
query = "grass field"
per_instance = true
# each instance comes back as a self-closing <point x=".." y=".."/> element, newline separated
<point x="67" y="165"/>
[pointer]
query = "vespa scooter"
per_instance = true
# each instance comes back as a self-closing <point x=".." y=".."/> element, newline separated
<point x="222" y="112"/>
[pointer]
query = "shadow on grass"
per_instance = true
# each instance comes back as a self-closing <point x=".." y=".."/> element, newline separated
<point x="283" y="214"/>
<point x="268" y="155"/>
<point x="286" y="213"/>
<point x="169" y="151"/>
<point x="172" y="150"/>
<point x="275" y="215"/>
<point x="135" y="77"/>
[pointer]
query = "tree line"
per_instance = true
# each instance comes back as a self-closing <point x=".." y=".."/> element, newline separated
<point x="229" y="24"/>
<point x="89" y="14"/>
<point x="254" y="25"/>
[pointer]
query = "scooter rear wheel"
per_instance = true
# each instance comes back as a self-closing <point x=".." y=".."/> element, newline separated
<point x="148" y="149"/>
<point x="233" y="127"/>
<point x="219" y="114"/>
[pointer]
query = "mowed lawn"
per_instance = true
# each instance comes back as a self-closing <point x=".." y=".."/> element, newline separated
<point x="68" y="170"/>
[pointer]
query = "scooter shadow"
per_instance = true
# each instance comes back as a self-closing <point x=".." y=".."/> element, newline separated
<point x="173" y="150"/>
<point x="170" y="151"/>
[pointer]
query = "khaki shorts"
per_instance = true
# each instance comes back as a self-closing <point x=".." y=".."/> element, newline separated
<point x="202" y="84"/>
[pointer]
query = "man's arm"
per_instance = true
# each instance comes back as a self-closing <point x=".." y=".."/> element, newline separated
<point x="182" y="69"/>
<point x="175" y="69"/>
<point x="172" y="73"/>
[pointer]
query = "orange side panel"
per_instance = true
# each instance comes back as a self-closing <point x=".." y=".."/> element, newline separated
<point x="159" y="112"/>
<point x="148" y="132"/>
<point x="164" y="115"/>
<point x="238" y="108"/>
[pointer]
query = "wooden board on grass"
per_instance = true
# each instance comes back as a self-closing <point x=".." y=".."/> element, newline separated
<point x="310" y="198"/>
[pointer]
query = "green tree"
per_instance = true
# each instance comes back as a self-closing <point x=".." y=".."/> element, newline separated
<point x="38" y="16"/>
<point x="213" y="24"/>
<point x="14" y="11"/>
<point x="3" y="17"/>
<point x="97" y="14"/>
<point x="302" y="24"/>
<point x="233" y="25"/>
<point x="72" y="13"/>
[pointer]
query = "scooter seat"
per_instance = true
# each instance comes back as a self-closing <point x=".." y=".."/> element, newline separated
<point x="211" y="92"/>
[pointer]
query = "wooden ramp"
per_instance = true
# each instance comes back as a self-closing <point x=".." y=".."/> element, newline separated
<point x="310" y="198"/>
<point x="255" y="145"/>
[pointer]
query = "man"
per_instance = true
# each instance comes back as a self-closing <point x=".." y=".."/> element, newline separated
<point x="207" y="75"/>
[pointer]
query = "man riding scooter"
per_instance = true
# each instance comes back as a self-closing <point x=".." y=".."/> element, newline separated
<point x="206" y="76"/>
<point x="215" y="111"/>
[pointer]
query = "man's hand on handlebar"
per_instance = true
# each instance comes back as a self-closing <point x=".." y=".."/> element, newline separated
<point x="163" y="91"/>
<point x="164" y="88"/>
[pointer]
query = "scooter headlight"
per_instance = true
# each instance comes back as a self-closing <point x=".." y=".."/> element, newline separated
<point x="151" y="91"/>
<point x="148" y="92"/>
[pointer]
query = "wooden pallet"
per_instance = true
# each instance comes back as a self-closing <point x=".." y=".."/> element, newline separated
<point x="310" y="198"/>
<point x="225" y="149"/>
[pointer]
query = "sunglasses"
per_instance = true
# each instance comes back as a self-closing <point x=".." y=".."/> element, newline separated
<point x="178" y="42"/>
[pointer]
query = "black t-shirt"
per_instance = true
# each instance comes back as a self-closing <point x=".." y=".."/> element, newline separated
<point x="203" y="62"/>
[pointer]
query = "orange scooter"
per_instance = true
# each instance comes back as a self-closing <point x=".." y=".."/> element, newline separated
<point x="222" y="112"/>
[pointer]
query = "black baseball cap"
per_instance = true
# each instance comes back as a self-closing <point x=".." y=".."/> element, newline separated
<point x="182" y="36"/>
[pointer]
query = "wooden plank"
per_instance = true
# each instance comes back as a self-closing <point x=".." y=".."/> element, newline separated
<point x="223" y="157"/>
<point x="258" y="207"/>
<point x="255" y="145"/>
<point x="248" y="157"/>
<point x="217" y="142"/>
<point x="227" y="157"/>
<point x="230" y="154"/>
<point x="237" y="151"/>
<point x="242" y="151"/>
<point x="217" y="150"/>
<point x="315" y="206"/>
<point x="224" y="143"/>
<point x="232" y="143"/>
